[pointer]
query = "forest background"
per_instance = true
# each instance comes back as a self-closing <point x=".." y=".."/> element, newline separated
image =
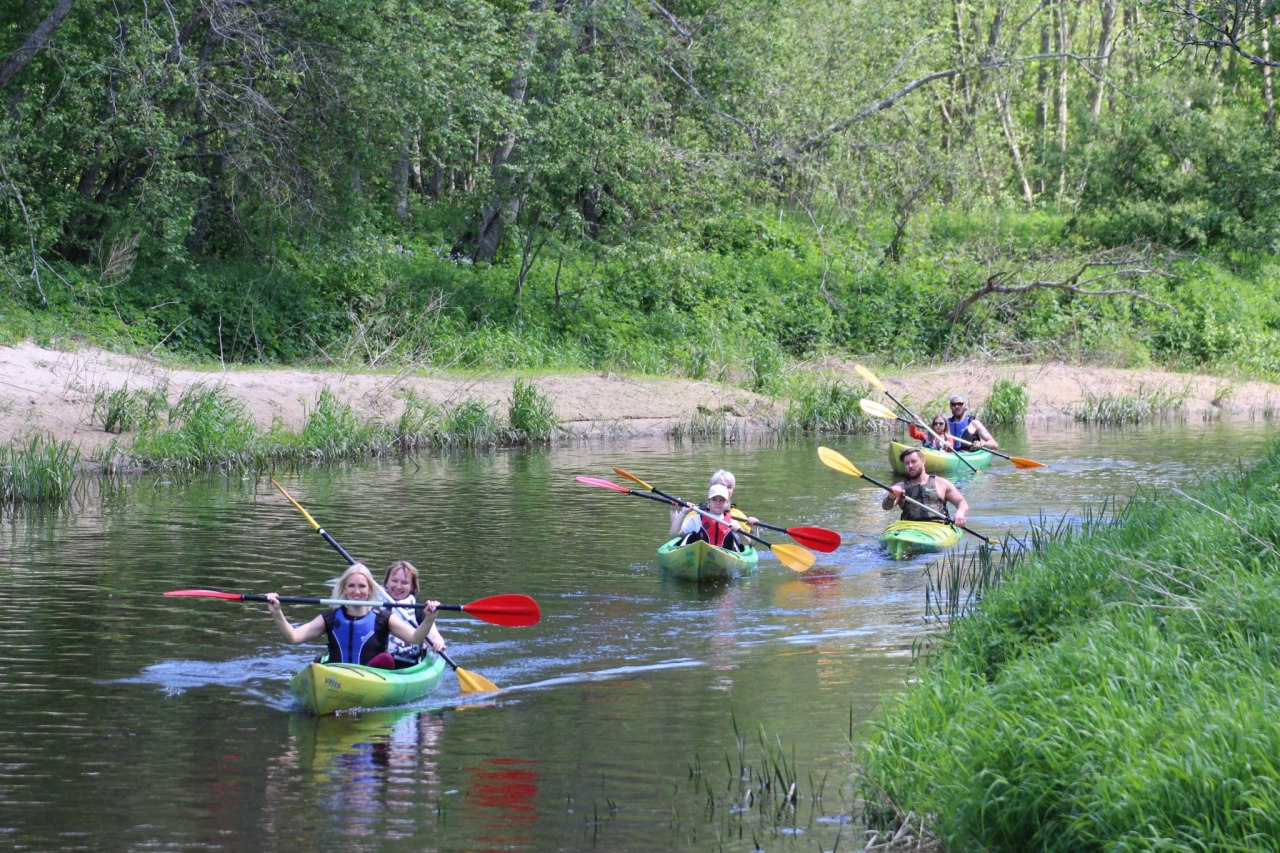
<point x="709" y="189"/>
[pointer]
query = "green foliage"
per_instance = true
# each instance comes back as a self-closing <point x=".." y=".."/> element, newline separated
<point x="832" y="407"/>
<point x="531" y="415"/>
<point x="1115" y="692"/>
<point x="1118" y="409"/>
<point x="121" y="410"/>
<point x="41" y="471"/>
<point x="1007" y="403"/>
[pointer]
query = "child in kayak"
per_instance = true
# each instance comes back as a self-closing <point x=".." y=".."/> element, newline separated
<point x="939" y="426"/>
<point x="722" y="478"/>
<point x="356" y="633"/>
<point x="401" y="583"/>
<point x="721" y="529"/>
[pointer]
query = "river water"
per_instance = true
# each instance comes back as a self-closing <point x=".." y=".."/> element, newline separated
<point x="641" y="713"/>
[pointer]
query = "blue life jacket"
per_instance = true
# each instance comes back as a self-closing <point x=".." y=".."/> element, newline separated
<point x="356" y="640"/>
<point x="958" y="427"/>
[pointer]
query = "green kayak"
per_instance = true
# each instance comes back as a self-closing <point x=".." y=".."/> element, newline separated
<point x="323" y="688"/>
<point x="938" y="462"/>
<point x="904" y="538"/>
<point x="702" y="561"/>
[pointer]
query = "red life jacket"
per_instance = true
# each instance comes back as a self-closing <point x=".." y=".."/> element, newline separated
<point x="920" y="435"/>
<point x="716" y="530"/>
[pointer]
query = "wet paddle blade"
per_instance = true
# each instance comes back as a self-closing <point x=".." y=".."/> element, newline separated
<point x="835" y="460"/>
<point x="878" y="410"/>
<point x="469" y="682"/>
<point x="289" y="498"/>
<point x="472" y="682"/>
<point x="206" y="593"/>
<point x="633" y="478"/>
<point x="794" y="557"/>
<point x="512" y="610"/>
<point x="1019" y="462"/>
<point x="871" y="378"/>
<point x="817" y="538"/>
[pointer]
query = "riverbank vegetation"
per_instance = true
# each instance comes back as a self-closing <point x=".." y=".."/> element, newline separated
<point x="710" y="191"/>
<point x="1115" y="690"/>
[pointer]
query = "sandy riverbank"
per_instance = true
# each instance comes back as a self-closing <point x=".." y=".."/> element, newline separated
<point x="53" y="392"/>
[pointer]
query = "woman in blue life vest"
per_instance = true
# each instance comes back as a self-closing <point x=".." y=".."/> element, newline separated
<point x="968" y="431"/>
<point x="356" y="634"/>
<point x="944" y="442"/>
<point x="718" y="529"/>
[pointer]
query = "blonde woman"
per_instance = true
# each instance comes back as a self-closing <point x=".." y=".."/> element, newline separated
<point x="356" y="634"/>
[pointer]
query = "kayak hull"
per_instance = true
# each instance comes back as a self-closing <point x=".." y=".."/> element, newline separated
<point x="938" y="462"/>
<point x="903" y="539"/>
<point x="703" y="562"/>
<point x="323" y="688"/>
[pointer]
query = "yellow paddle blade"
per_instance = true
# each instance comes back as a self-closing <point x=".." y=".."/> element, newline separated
<point x="633" y="478"/>
<point x="470" y="682"/>
<point x="794" y="557"/>
<point x="289" y="497"/>
<point x="870" y="377"/>
<point x="832" y="459"/>
<point x="876" y="410"/>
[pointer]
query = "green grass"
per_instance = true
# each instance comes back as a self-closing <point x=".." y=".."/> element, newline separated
<point x="828" y="407"/>
<point x="1115" y="691"/>
<point x="41" y="471"/>
<point x="1118" y="409"/>
<point x="531" y="415"/>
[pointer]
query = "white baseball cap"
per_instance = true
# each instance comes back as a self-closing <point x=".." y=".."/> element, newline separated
<point x="718" y="491"/>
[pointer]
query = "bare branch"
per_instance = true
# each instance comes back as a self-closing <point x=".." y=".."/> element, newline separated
<point x="1087" y="272"/>
<point x="35" y="42"/>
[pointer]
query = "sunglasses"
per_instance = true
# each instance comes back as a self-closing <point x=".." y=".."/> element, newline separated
<point x="957" y="404"/>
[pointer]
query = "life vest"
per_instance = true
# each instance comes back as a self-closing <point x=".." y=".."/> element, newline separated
<point x="356" y="640"/>
<point x="927" y="440"/>
<point x="716" y="530"/>
<point x="404" y="653"/>
<point x="957" y="428"/>
<point x="738" y="515"/>
<point x="927" y="494"/>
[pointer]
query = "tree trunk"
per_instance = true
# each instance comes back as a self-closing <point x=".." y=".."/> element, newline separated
<point x="1064" y="46"/>
<point x="1108" y="18"/>
<point x="1268" y="92"/>
<point x="37" y="40"/>
<point x="505" y="199"/>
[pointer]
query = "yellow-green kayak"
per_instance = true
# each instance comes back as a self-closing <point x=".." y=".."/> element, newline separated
<point x="702" y="561"/>
<point x="939" y="462"/>
<point x="323" y="688"/>
<point x="904" y="538"/>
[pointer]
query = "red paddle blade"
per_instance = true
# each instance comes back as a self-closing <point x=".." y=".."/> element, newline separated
<point x="512" y="610"/>
<point x="206" y="593"/>
<point x="817" y="538"/>
<point x="596" y="481"/>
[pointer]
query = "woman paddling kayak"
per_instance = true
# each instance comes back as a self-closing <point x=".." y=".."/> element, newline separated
<point x="355" y="634"/>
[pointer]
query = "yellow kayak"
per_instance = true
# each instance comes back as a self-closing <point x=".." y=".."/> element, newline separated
<point x="323" y="688"/>
<point x="939" y="462"/>
<point x="904" y="538"/>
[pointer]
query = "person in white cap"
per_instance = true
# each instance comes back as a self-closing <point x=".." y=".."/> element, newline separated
<point x="724" y="478"/>
<point x="721" y="529"/>
<point x="966" y="427"/>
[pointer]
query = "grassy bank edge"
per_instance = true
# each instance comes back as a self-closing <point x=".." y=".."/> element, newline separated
<point x="1117" y="690"/>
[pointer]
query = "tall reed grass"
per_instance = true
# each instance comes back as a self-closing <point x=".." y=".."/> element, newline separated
<point x="830" y="407"/>
<point x="1116" y="691"/>
<point x="1119" y="409"/>
<point x="41" y="471"/>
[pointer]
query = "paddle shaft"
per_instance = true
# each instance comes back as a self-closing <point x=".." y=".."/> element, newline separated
<point x="920" y="422"/>
<point x="675" y="500"/>
<point x="352" y="561"/>
<point x="927" y="508"/>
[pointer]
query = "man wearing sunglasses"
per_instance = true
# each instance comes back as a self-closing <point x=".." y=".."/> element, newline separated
<point x="966" y="427"/>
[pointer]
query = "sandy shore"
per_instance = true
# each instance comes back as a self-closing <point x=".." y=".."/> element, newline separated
<point x="53" y="392"/>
